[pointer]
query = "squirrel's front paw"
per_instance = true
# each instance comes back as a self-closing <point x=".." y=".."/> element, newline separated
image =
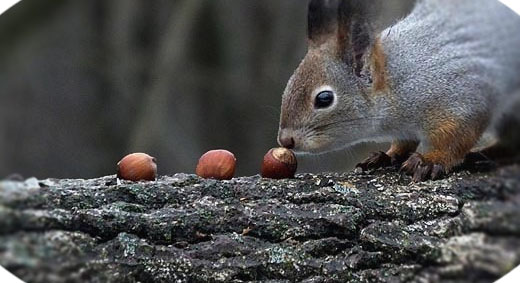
<point x="421" y="170"/>
<point x="375" y="161"/>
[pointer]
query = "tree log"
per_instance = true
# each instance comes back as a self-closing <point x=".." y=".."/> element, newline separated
<point x="362" y="227"/>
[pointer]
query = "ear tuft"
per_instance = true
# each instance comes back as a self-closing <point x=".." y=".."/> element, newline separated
<point x="348" y="23"/>
<point x="322" y="19"/>
<point x="355" y="35"/>
<point x="361" y="42"/>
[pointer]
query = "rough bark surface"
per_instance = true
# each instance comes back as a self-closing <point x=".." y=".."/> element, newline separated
<point x="363" y="227"/>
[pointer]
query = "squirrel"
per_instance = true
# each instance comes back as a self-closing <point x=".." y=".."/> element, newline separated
<point x="440" y="78"/>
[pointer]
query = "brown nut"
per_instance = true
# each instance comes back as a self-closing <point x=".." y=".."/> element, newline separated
<point x="279" y="163"/>
<point x="217" y="164"/>
<point x="137" y="167"/>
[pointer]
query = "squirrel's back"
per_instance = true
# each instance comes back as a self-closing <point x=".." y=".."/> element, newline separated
<point x="462" y="48"/>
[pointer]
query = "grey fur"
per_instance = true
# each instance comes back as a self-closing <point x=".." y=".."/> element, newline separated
<point x="457" y="58"/>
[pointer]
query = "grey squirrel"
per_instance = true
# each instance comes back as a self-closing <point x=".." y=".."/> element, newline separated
<point x="440" y="78"/>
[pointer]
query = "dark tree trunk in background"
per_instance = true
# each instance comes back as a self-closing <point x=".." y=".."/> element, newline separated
<point x="85" y="82"/>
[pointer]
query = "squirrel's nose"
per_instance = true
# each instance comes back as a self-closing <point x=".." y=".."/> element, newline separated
<point x="287" y="142"/>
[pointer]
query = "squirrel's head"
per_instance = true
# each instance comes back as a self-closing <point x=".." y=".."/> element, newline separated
<point x="328" y="101"/>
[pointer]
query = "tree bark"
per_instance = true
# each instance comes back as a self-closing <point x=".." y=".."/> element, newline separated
<point x="358" y="227"/>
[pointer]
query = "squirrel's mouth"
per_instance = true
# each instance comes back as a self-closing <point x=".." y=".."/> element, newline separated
<point x="313" y="145"/>
<point x="305" y="142"/>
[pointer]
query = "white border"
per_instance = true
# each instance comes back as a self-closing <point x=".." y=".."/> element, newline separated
<point x="6" y="4"/>
<point x="7" y="277"/>
<point x="513" y="4"/>
<point x="514" y="275"/>
<point x="511" y="277"/>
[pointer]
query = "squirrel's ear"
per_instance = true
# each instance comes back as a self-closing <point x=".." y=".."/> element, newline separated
<point x="355" y="33"/>
<point x="322" y="20"/>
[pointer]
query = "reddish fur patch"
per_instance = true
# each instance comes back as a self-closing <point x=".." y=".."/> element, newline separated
<point x="378" y="61"/>
<point x="402" y="148"/>
<point x="451" y="141"/>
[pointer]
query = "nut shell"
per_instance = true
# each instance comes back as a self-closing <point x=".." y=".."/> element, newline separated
<point x="279" y="163"/>
<point x="217" y="164"/>
<point x="137" y="167"/>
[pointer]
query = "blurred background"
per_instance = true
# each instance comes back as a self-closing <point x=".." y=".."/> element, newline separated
<point x="85" y="82"/>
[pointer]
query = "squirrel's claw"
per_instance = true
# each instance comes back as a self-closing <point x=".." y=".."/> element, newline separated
<point x="422" y="170"/>
<point x="375" y="161"/>
<point x="381" y="160"/>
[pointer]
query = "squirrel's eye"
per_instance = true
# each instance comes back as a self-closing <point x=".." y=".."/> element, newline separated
<point x="324" y="99"/>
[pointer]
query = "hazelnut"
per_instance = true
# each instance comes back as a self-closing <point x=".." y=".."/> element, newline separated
<point x="279" y="163"/>
<point x="217" y="164"/>
<point x="137" y="167"/>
